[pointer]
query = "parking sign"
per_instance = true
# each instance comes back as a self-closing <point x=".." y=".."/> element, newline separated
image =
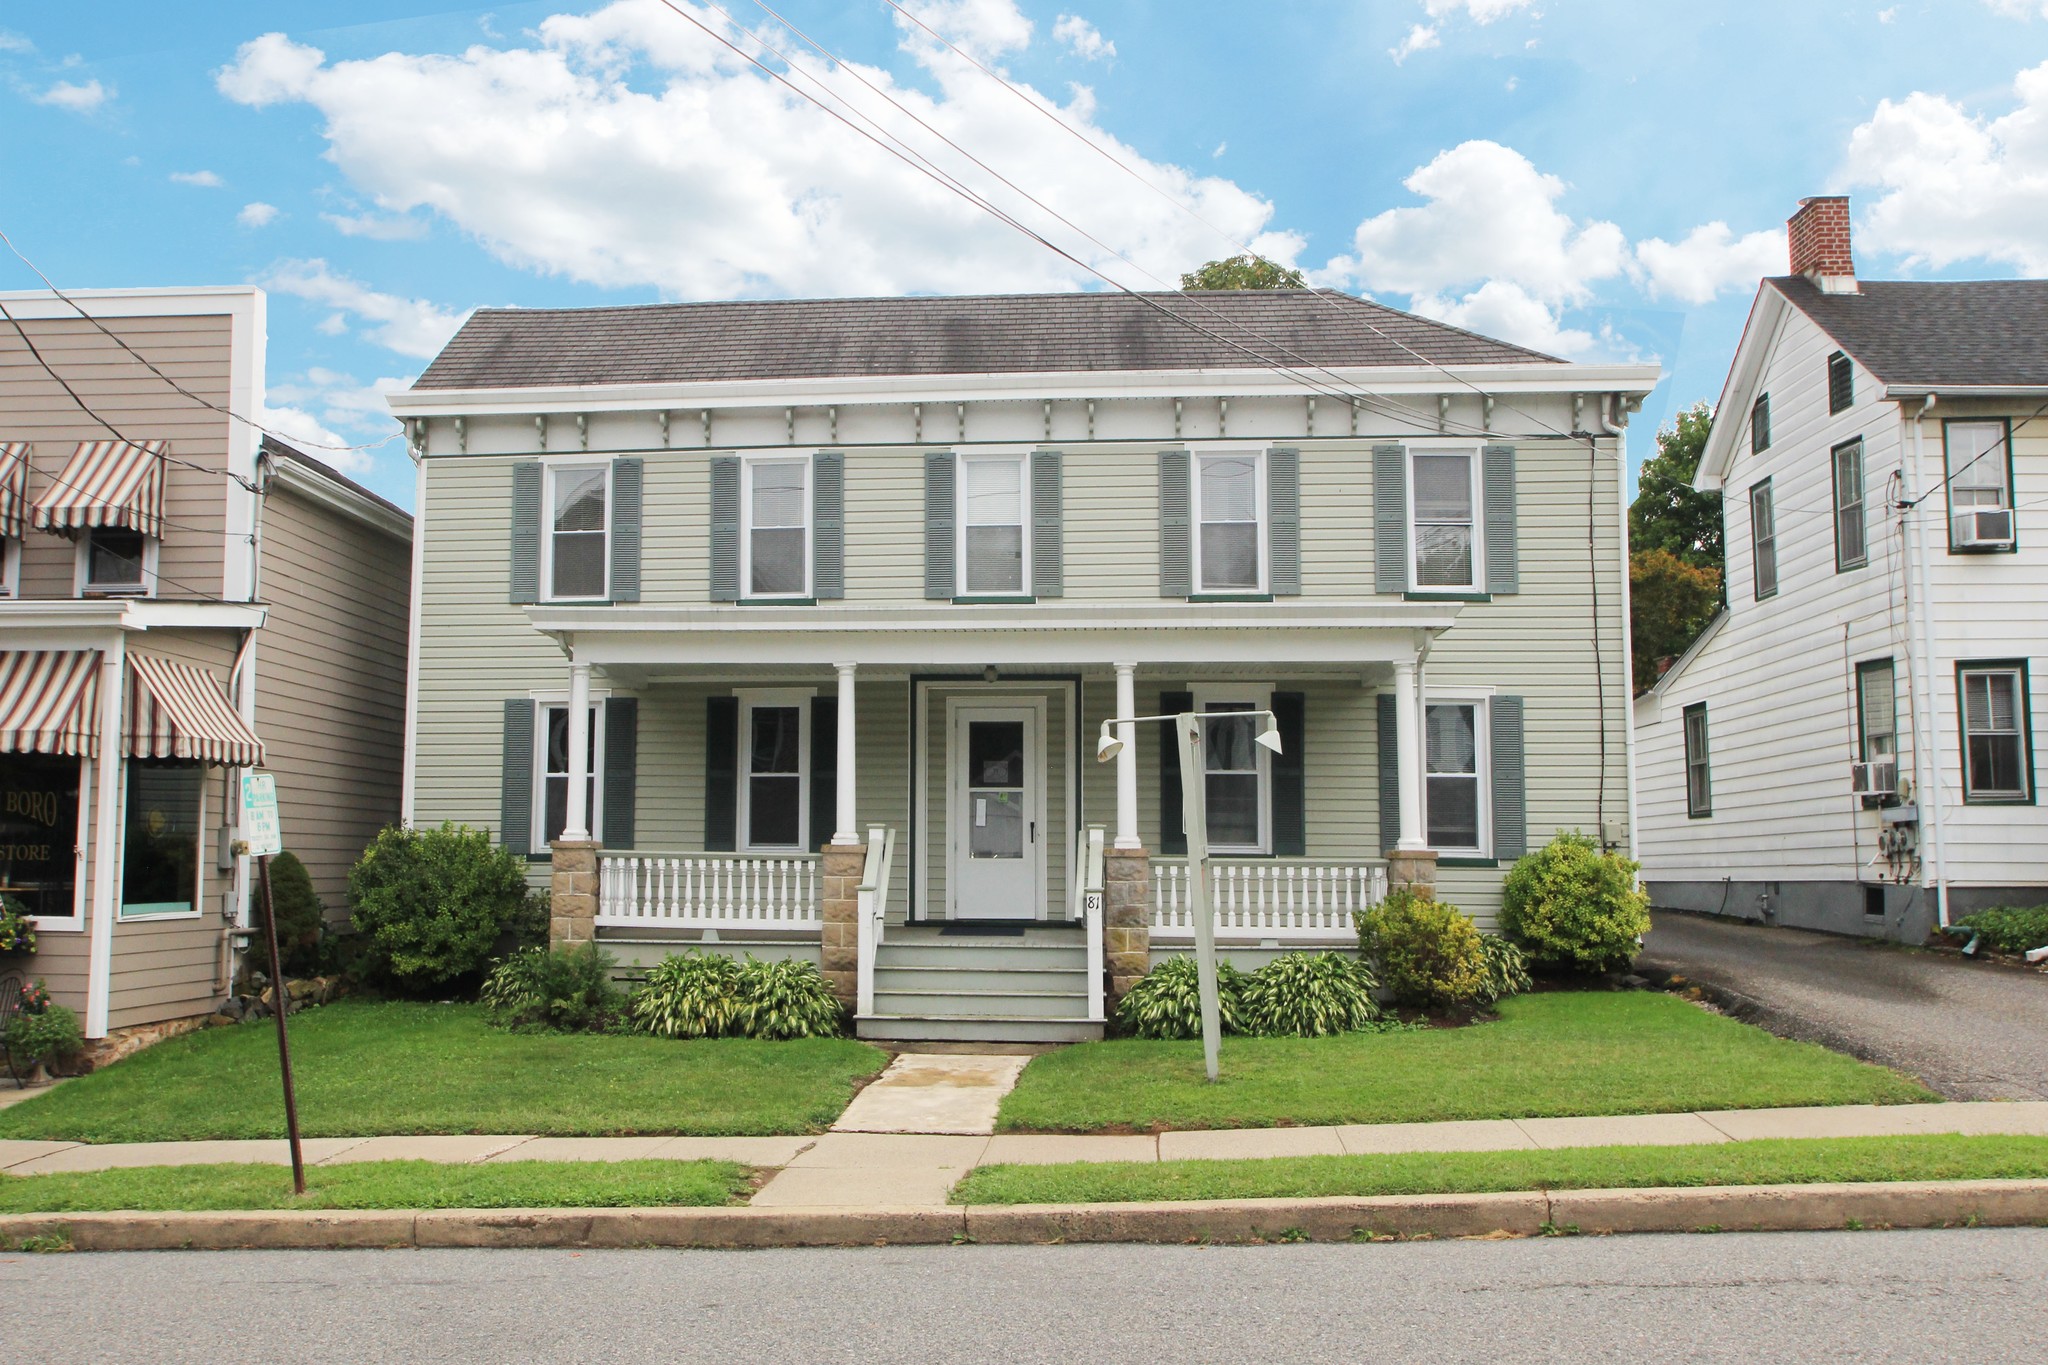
<point x="260" y="828"/>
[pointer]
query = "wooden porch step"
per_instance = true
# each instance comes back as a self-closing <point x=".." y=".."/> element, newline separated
<point x="992" y="999"/>
<point x="974" y="1028"/>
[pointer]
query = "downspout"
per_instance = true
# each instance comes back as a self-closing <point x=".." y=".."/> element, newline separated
<point x="410" y="764"/>
<point x="1927" y="757"/>
<point x="1619" y="431"/>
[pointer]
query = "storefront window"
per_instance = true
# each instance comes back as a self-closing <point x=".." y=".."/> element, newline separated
<point x="160" y="847"/>
<point x="39" y="832"/>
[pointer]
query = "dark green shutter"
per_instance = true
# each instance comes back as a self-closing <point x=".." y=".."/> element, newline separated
<point x="1290" y="777"/>
<point x="1390" y="518"/>
<point x="515" y="789"/>
<point x="725" y="529"/>
<point x="1510" y="786"/>
<point x="1048" y="553"/>
<point x="1390" y="775"/>
<point x="621" y="769"/>
<point x="824" y="769"/>
<point x="1283" y="522"/>
<point x="1173" y="836"/>
<point x="939" y="481"/>
<point x="1176" y="563"/>
<point x="627" y="476"/>
<point x="526" y="531"/>
<point x="1498" y="477"/>
<point x="828" y="525"/>
<point x="721" y="774"/>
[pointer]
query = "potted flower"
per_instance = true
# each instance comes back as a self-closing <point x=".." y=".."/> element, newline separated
<point x="41" y="1034"/>
<point x="17" y="934"/>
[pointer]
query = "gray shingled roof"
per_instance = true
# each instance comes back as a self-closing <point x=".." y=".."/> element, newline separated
<point x="1005" y="333"/>
<point x="1941" y="333"/>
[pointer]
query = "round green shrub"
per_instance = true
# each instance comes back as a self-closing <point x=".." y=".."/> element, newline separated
<point x="300" y="919"/>
<point x="50" y="1036"/>
<point x="1167" y="1001"/>
<point x="1573" y="908"/>
<point x="432" y="903"/>
<point x="689" y="995"/>
<point x="787" y="999"/>
<point x="567" y="990"/>
<point x="1309" y="995"/>
<point x="1428" y="952"/>
<point x="1507" y="969"/>
<point x="2006" y="929"/>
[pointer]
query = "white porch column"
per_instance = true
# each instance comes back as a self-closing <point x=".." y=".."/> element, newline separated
<point x="576" y="824"/>
<point x="1127" y="759"/>
<point x="106" y="841"/>
<point x="1408" y="734"/>
<point x="844" y="830"/>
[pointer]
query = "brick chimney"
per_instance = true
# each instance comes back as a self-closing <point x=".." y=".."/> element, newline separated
<point x="1819" y="238"/>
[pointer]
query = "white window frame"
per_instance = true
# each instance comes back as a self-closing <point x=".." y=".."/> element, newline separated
<point x="1022" y="459"/>
<point x="544" y="702"/>
<point x="1259" y="512"/>
<point x="1482" y="765"/>
<point x="81" y="569"/>
<point x="1759" y="539"/>
<point x="1255" y="697"/>
<point x="549" y="470"/>
<point x="2022" y="718"/>
<point x="1999" y="458"/>
<point x="74" y="922"/>
<point x="1474" y="454"/>
<point x="748" y="464"/>
<point x="198" y="906"/>
<point x="752" y="699"/>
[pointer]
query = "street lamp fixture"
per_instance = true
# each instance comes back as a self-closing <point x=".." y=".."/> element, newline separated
<point x="1108" y="746"/>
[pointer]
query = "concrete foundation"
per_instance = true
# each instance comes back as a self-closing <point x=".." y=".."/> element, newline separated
<point x="1903" y="914"/>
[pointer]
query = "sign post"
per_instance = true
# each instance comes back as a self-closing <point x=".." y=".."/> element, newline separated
<point x="262" y="836"/>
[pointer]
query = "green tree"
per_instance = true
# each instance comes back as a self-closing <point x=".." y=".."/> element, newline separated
<point x="1243" y="272"/>
<point x="1667" y="514"/>
<point x="1670" y="603"/>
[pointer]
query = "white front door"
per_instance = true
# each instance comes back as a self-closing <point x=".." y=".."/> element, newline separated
<point x="995" y="777"/>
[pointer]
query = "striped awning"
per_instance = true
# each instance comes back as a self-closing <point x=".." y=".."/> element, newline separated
<point x="13" y="489"/>
<point x="178" y="711"/>
<point x="49" y="700"/>
<point x="107" y="483"/>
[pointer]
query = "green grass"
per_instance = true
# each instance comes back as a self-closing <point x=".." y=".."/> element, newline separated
<point x="1774" y="1161"/>
<point x="393" y="1068"/>
<point x="383" y="1185"/>
<point x="1551" y="1054"/>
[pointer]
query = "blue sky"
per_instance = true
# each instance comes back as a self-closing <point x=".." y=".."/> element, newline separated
<point x="1602" y="179"/>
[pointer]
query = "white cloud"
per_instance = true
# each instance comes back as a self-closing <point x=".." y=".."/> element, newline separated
<point x="257" y="215"/>
<point x="1221" y="148"/>
<point x="78" y="99"/>
<point x="1707" y="260"/>
<point x="316" y="404"/>
<point x="986" y="28"/>
<point x="2019" y="9"/>
<point x="624" y="149"/>
<point x="296" y="424"/>
<point x="14" y="42"/>
<point x="1082" y="38"/>
<point x="412" y="327"/>
<point x="333" y="325"/>
<point x="1421" y="38"/>
<point x="205" y="180"/>
<point x="376" y="228"/>
<point x="1955" y="185"/>
<point x="1886" y="16"/>
<point x="1482" y="11"/>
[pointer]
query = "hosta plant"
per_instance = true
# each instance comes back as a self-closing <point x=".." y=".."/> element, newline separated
<point x="689" y="995"/>
<point x="787" y="999"/>
<point x="1507" y="969"/>
<point x="1309" y="995"/>
<point x="567" y="990"/>
<point x="1167" y="1002"/>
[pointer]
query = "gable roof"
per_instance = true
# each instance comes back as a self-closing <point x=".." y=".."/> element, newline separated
<point x="991" y="334"/>
<point x="1935" y="333"/>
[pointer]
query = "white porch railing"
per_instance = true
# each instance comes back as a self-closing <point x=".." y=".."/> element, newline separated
<point x="871" y="912"/>
<point x="708" y="890"/>
<point x="1282" y="900"/>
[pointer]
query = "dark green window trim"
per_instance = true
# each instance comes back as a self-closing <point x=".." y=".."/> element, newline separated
<point x="1446" y="597"/>
<point x="1760" y="424"/>
<point x="1702" y="809"/>
<point x="777" y="602"/>
<point x="1948" y="493"/>
<point x="1757" y="540"/>
<point x="1863" y="671"/>
<point x="1468" y="862"/>
<point x="2026" y="720"/>
<point x="1230" y="597"/>
<point x="1003" y="600"/>
<point x="1845" y="562"/>
<point x="1841" y="383"/>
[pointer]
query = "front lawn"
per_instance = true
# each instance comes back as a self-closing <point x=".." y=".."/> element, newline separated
<point x="1773" y="1161"/>
<point x="384" y="1185"/>
<point x="368" y="1068"/>
<point x="1552" y="1054"/>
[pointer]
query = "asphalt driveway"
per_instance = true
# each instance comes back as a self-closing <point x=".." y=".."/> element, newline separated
<point x="1969" y="1030"/>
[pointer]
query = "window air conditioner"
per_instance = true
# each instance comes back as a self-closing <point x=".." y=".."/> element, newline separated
<point x="1983" y="529"/>
<point x="1874" y="779"/>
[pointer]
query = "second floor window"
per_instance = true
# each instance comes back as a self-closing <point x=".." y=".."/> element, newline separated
<point x="992" y="521"/>
<point x="1760" y="425"/>
<point x="1841" y="383"/>
<point x="1979" y="468"/>
<point x="1997" y="764"/>
<point x="1699" y="783"/>
<point x="1763" y="540"/>
<point x="1851" y="549"/>
<point x="578" y="531"/>
<point x="777" y="499"/>
<point x="114" y="559"/>
<point x="1227" y="505"/>
<point x="1446" y="520"/>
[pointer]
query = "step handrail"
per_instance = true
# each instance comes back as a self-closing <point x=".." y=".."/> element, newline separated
<point x="871" y="907"/>
<point x="1088" y="908"/>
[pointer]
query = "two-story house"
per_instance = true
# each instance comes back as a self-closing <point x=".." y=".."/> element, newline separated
<point x="1851" y="745"/>
<point x="736" y="609"/>
<point x="174" y="585"/>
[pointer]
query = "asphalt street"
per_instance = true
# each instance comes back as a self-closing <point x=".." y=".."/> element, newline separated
<point x="1964" y="1295"/>
<point x="1970" y="1030"/>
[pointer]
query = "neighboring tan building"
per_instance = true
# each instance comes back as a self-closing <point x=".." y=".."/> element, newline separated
<point x="175" y="586"/>
<point x="1851" y="746"/>
<point x="727" y="584"/>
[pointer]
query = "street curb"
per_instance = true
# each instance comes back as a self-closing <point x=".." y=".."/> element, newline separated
<point x="1762" y="1208"/>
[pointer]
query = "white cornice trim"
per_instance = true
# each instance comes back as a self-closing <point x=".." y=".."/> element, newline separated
<point x="41" y="304"/>
<point x="1759" y="339"/>
<point x="342" y="498"/>
<point x="68" y="623"/>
